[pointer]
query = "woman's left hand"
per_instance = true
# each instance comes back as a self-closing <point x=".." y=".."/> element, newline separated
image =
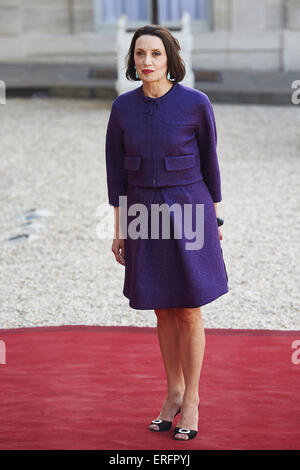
<point x="220" y="234"/>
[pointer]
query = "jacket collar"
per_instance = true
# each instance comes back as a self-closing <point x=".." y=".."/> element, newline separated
<point x="152" y="102"/>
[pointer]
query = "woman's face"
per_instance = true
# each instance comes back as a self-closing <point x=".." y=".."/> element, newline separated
<point x="150" y="53"/>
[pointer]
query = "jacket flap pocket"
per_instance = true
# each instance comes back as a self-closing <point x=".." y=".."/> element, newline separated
<point x="180" y="162"/>
<point x="132" y="163"/>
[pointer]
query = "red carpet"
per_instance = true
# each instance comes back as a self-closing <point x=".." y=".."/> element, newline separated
<point x="81" y="387"/>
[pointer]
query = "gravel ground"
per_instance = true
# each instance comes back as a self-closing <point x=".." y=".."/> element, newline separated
<point x="52" y="159"/>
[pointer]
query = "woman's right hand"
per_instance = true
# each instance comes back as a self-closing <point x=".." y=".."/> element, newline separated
<point x="118" y="249"/>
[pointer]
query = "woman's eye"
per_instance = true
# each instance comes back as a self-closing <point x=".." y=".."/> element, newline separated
<point x="155" y="53"/>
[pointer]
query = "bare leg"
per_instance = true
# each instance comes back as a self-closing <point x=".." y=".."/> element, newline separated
<point x="191" y="345"/>
<point x="168" y="335"/>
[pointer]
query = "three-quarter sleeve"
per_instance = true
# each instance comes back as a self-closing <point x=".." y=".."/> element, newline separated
<point x="206" y="133"/>
<point x="116" y="175"/>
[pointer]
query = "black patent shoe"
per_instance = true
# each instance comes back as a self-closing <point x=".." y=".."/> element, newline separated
<point x="189" y="432"/>
<point x="162" y="424"/>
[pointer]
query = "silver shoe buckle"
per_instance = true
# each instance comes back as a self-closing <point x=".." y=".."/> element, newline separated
<point x="184" y="430"/>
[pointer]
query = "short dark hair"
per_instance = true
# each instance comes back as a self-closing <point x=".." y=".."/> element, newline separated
<point x="175" y="63"/>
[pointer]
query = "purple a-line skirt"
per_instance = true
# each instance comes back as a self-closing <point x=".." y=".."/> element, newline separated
<point x="163" y="273"/>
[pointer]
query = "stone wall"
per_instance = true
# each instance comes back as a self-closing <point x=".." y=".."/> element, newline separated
<point x="245" y="34"/>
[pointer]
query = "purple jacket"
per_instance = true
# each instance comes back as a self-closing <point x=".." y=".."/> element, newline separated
<point x="165" y="141"/>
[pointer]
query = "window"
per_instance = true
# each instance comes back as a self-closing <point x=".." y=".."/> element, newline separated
<point x="170" y="13"/>
<point x="138" y="12"/>
<point x="107" y="12"/>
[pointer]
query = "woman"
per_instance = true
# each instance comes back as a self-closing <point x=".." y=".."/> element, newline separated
<point x="161" y="148"/>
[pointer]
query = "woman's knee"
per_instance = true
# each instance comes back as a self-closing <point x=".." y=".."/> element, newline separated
<point x="163" y="313"/>
<point x="188" y="315"/>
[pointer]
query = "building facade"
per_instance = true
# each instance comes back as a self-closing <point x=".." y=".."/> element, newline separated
<point x="227" y="34"/>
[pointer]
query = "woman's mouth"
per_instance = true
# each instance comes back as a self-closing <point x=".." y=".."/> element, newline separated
<point x="147" y="71"/>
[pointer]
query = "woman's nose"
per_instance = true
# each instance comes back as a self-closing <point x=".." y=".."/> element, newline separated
<point x="147" y="61"/>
